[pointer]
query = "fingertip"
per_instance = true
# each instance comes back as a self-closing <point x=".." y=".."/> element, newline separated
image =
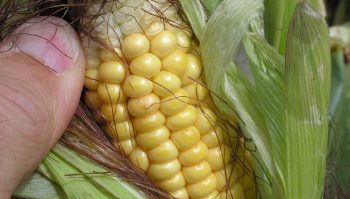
<point x="48" y="40"/>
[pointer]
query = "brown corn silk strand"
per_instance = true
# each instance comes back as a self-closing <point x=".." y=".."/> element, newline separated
<point x="85" y="136"/>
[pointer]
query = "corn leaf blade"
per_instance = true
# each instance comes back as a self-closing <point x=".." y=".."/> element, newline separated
<point x="80" y="178"/>
<point x="307" y="70"/>
<point x="39" y="187"/>
<point x="338" y="175"/>
<point x="75" y="185"/>
<point x="227" y="81"/>
<point x="267" y="66"/>
<point x="277" y="17"/>
<point x="99" y="176"/>
<point x="211" y="5"/>
<point x="196" y="15"/>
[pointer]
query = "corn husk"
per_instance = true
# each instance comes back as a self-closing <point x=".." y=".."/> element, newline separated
<point x="288" y="126"/>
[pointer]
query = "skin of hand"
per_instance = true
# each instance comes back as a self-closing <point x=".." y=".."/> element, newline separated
<point x="41" y="78"/>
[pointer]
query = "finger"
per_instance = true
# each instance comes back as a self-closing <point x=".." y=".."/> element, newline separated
<point x="41" y="77"/>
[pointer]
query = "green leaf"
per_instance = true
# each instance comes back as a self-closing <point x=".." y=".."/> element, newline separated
<point x="307" y="101"/>
<point x="196" y="15"/>
<point x="103" y="179"/>
<point x="273" y="21"/>
<point x="79" y="178"/>
<point x="74" y="184"/>
<point x="338" y="81"/>
<point x="232" y="18"/>
<point x="338" y="175"/>
<point x="277" y="16"/>
<point x="269" y="105"/>
<point x="211" y="5"/>
<point x="39" y="187"/>
<point x="267" y="66"/>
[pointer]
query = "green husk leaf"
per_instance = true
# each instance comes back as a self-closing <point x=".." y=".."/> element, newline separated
<point x="196" y="15"/>
<point x="74" y="184"/>
<point x="263" y="103"/>
<point x="267" y="66"/>
<point x="307" y="101"/>
<point x="39" y="187"/>
<point x="104" y="180"/>
<point x="338" y="175"/>
<point x="211" y="5"/>
<point x="338" y="80"/>
<point x="277" y="17"/>
<point x="227" y="81"/>
<point x="232" y="18"/>
<point x="77" y="177"/>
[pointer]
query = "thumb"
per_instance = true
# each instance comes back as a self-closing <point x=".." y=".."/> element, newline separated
<point x="41" y="78"/>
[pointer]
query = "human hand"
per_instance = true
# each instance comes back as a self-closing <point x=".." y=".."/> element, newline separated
<point x="41" y="78"/>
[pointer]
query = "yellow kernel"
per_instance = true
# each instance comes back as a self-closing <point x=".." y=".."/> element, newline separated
<point x="175" y="102"/>
<point x="164" y="171"/>
<point x="213" y="138"/>
<point x="197" y="92"/>
<point x="193" y="70"/>
<point x="108" y="55"/>
<point x="135" y="45"/>
<point x="127" y="145"/>
<point x="247" y="181"/>
<point x="175" y="63"/>
<point x="250" y="193"/>
<point x="91" y="80"/>
<point x="225" y="175"/>
<point x="173" y="184"/>
<point x="154" y="29"/>
<point x="151" y="139"/>
<point x="218" y="157"/>
<point x="111" y="72"/>
<point x="121" y="130"/>
<point x="183" y="41"/>
<point x="185" y="28"/>
<point x="213" y="195"/>
<point x="140" y="158"/>
<point x="206" y="120"/>
<point x="180" y="194"/>
<point x="145" y="105"/>
<point x="220" y="177"/>
<point x="163" y="44"/>
<point x="194" y="155"/>
<point x="147" y="65"/>
<point x="149" y="122"/>
<point x="185" y="138"/>
<point x="136" y="86"/>
<point x="196" y="173"/>
<point x="234" y="193"/>
<point x="92" y="100"/>
<point x="92" y="63"/>
<point x="202" y="188"/>
<point x="165" y="152"/>
<point x="182" y="119"/>
<point x="166" y="83"/>
<point x="114" y="112"/>
<point x="110" y="93"/>
<point x="209" y="103"/>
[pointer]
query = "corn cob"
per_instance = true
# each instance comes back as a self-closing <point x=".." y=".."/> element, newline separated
<point x="155" y="76"/>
